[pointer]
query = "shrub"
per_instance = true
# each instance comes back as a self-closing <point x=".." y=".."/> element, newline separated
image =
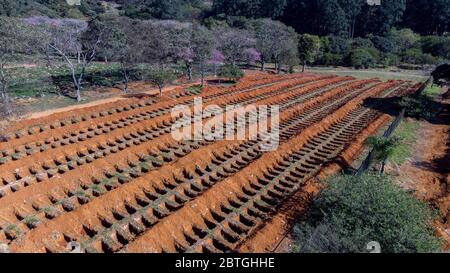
<point x="436" y="46"/>
<point x="330" y="59"/>
<point x="355" y="210"/>
<point x="416" y="56"/>
<point x="361" y="58"/>
<point x="390" y="59"/>
<point x="361" y="42"/>
<point x="403" y="39"/>
<point x="375" y="53"/>
<point x="420" y="107"/>
<point x="233" y="73"/>
<point x="338" y="45"/>
<point x="383" y="148"/>
<point x="159" y="77"/>
<point x="383" y="44"/>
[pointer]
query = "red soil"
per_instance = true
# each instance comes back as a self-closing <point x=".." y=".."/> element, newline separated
<point x="134" y="188"/>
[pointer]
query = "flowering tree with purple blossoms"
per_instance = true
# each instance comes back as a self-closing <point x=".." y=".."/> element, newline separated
<point x="252" y="56"/>
<point x="234" y="43"/>
<point x="217" y="58"/>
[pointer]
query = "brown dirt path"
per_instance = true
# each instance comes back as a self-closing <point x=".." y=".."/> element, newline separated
<point x="427" y="172"/>
<point x="149" y="90"/>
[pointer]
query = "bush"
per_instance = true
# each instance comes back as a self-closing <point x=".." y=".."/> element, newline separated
<point x="436" y="46"/>
<point x="361" y="58"/>
<point x="336" y="45"/>
<point x="383" y="44"/>
<point x="420" y="107"/>
<point x="159" y="77"/>
<point x="375" y="53"/>
<point x="232" y="73"/>
<point x="330" y="59"/>
<point x="416" y="56"/>
<point x="361" y="42"/>
<point x="390" y="59"/>
<point x="412" y="56"/>
<point x="353" y="211"/>
<point x="403" y="39"/>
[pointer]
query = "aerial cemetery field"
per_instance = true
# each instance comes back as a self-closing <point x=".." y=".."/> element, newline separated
<point x="112" y="177"/>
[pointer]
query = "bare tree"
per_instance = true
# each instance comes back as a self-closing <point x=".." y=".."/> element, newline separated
<point x="156" y="40"/>
<point x="216" y="59"/>
<point x="265" y="33"/>
<point x="181" y="44"/>
<point x="204" y="44"/>
<point x="76" y="43"/>
<point x="190" y="43"/>
<point x="159" y="77"/>
<point x="120" y="44"/>
<point x="285" y="50"/>
<point x="233" y="43"/>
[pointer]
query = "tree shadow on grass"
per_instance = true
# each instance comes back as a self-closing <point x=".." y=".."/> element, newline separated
<point x="65" y="85"/>
<point x="220" y="82"/>
<point x="418" y="107"/>
<point x="388" y="106"/>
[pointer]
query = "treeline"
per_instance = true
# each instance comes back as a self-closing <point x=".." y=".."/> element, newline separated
<point x="236" y="40"/>
<point x="148" y="48"/>
<point x="348" y="18"/>
<point x="352" y="32"/>
<point x="229" y="33"/>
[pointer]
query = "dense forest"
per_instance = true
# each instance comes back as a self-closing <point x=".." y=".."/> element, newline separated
<point x="352" y="18"/>
<point x="357" y="33"/>
<point x="199" y="36"/>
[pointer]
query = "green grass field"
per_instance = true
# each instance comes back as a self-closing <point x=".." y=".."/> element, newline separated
<point x="382" y="74"/>
<point x="407" y="132"/>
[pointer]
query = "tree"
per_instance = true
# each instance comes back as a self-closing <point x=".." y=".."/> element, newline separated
<point x="318" y="17"/>
<point x="379" y="19"/>
<point x="309" y="48"/>
<point x="8" y="46"/>
<point x="285" y="49"/>
<point x="427" y="17"/>
<point x="441" y="16"/>
<point x="233" y="43"/>
<point x="232" y="73"/>
<point x="403" y="39"/>
<point x="264" y="39"/>
<point x="180" y="44"/>
<point x="352" y="9"/>
<point x="355" y="210"/>
<point x="274" y="40"/>
<point x="161" y="41"/>
<point x="217" y="58"/>
<point x="250" y="8"/>
<point x="151" y="9"/>
<point x="12" y="8"/>
<point x="383" y="149"/>
<point x="76" y="43"/>
<point x="361" y="58"/>
<point x="289" y="55"/>
<point x="192" y="43"/>
<point x="204" y="45"/>
<point x="119" y="44"/>
<point x="160" y="77"/>
<point x="15" y="39"/>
